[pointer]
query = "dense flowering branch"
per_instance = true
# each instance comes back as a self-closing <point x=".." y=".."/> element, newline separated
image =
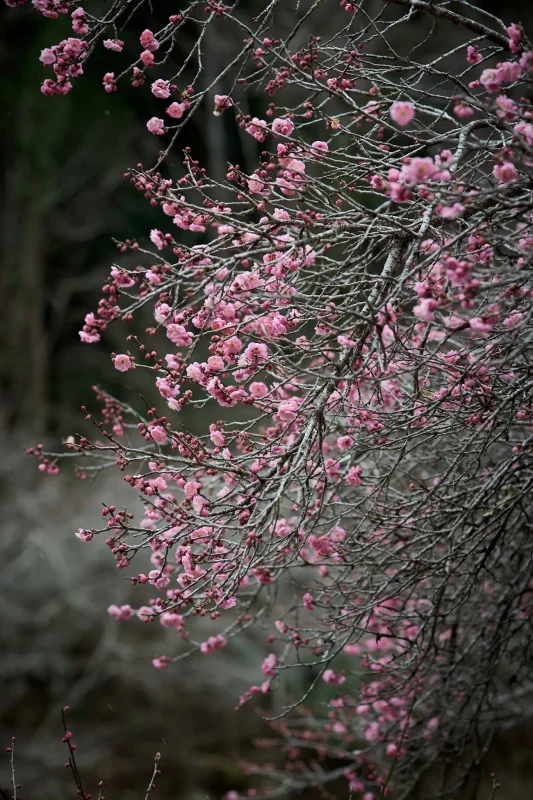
<point x="361" y="299"/>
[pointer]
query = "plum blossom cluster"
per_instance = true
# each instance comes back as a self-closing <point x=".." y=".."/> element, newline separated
<point x="360" y="298"/>
<point x="66" y="61"/>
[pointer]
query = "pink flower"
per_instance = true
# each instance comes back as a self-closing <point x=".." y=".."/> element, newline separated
<point x="73" y="48"/>
<point x="121" y="278"/>
<point x="165" y="389"/>
<point x="419" y="170"/>
<point x="257" y="186"/>
<point x="425" y="308"/>
<point x="254" y="354"/>
<point x="177" y="110"/>
<point x="507" y="108"/>
<point x="258" y="129"/>
<point x="179" y="335"/>
<point x="462" y="111"/>
<point x="505" y="172"/>
<point x="526" y="60"/>
<point x="114" y="44"/>
<point x="84" y="536"/>
<point x="222" y="102"/>
<point x="79" y="21"/>
<point x="308" y="601"/>
<point x="283" y="126"/>
<point x="450" y="212"/>
<point x="525" y="131"/>
<point x="169" y="619"/>
<point x="319" y="148"/>
<point x="158" y="434"/>
<point x="515" y="36"/>
<point x="145" y="613"/>
<point x="153" y="277"/>
<point x="286" y="410"/>
<point x="120" y="612"/>
<point x="344" y="442"/>
<point x="161" y="662"/>
<point x="269" y="665"/>
<point x="352" y="649"/>
<point x="281" y="215"/>
<point x="48" y="87"/>
<point x="513" y="320"/>
<point x="509" y="71"/>
<point x="161" y="89"/>
<point x="258" y="389"/>
<point x="213" y="643"/>
<point x="400" y="193"/>
<point x="148" y="40"/>
<point x="89" y="338"/>
<point x="147" y="58"/>
<point x="337" y="534"/>
<point x="195" y="372"/>
<point x="123" y="363"/>
<point x="402" y="113"/>
<point x="156" y="126"/>
<point x="472" y="54"/>
<point x="353" y="476"/>
<point x="157" y="579"/>
<point x="480" y="326"/>
<point x="109" y="82"/>
<point x="198" y="503"/>
<point x="491" y="79"/>
<point x="216" y="436"/>
<point x="215" y="363"/>
<point x="47" y="56"/>
<point x="345" y="341"/>
<point x="156" y="237"/>
<point x="329" y="676"/>
<point x="191" y="489"/>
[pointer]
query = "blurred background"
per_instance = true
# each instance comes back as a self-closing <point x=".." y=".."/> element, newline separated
<point x="63" y="198"/>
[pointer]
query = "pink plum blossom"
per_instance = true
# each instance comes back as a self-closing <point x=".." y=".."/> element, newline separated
<point x="258" y="129"/>
<point x="47" y="56"/>
<point x="331" y="677"/>
<point x="161" y="88"/>
<point x="354" y="476"/>
<point x="319" y="148"/>
<point x="123" y="363"/>
<point x="402" y="113"/>
<point x="156" y="126"/>
<point x="222" y="102"/>
<point x="283" y="126"/>
<point x="148" y="40"/>
<point x="505" y="172"/>
<point x="425" y="308"/>
<point x="147" y="58"/>
<point x="515" y="36"/>
<point x="158" y="434"/>
<point x="114" y="44"/>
